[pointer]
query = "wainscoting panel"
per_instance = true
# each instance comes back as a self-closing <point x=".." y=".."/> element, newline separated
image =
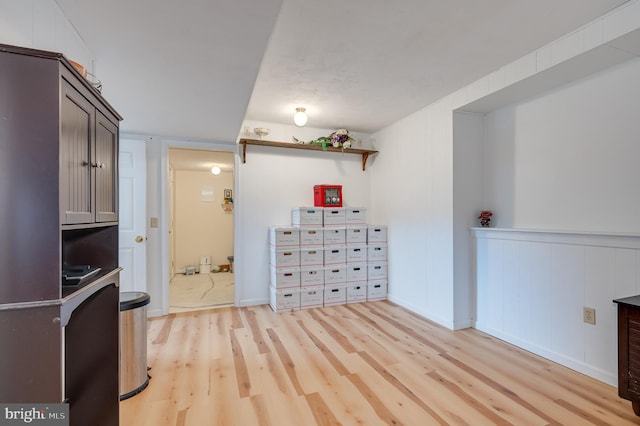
<point x="532" y="286"/>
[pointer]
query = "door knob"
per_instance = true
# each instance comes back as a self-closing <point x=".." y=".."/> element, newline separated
<point x="139" y="239"/>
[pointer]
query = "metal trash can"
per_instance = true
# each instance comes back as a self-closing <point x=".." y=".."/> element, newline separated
<point x="133" y="343"/>
<point x="230" y="259"/>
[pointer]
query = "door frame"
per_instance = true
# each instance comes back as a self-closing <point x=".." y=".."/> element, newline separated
<point x="166" y="144"/>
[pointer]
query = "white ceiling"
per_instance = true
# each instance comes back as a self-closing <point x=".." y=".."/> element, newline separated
<point x="195" y="69"/>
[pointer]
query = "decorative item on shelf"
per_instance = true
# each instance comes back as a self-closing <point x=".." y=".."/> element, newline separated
<point x="338" y="139"/>
<point x="92" y="79"/>
<point x="485" y="218"/>
<point x="327" y="196"/>
<point x="227" y="202"/>
<point x="261" y="131"/>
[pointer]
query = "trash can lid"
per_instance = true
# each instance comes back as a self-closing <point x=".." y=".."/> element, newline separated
<point x="133" y="299"/>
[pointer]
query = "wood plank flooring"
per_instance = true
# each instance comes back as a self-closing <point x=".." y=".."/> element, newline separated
<point x="370" y="363"/>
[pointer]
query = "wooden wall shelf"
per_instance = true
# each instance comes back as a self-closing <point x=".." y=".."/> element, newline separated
<point x="363" y="152"/>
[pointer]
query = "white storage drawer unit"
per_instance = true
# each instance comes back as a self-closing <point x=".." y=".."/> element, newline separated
<point x="376" y="234"/>
<point x="335" y="255"/>
<point x="356" y="234"/>
<point x="285" y="257"/>
<point x="357" y="273"/>
<point x="311" y="237"/>
<point x="284" y="237"/>
<point x="311" y="297"/>
<point x="311" y="277"/>
<point x="284" y="300"/>
<point x="377" y="271"/>
<point x="307" y="216"/>
<point x="356" y="293"/>
<point x="334" y="216"/>
<point x="334" y="235"/>
<point x="356" y="254"/>
<point x="355" y="215"/>
<point x="377" y="291"/>
<point x="377" y="253"/>
<point x="335" y="295"/>
<point x="312" y="256"/>
<point x="335" y="275"/>
<point x="285" y="277"/>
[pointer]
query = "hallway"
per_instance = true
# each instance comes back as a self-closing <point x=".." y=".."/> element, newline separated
<point x="196" y="292"/>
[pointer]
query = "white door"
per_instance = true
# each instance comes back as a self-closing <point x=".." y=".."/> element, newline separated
<point x="132" y="214"/>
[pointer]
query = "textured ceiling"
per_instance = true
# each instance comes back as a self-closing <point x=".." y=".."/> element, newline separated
<point x="188" y="69"/>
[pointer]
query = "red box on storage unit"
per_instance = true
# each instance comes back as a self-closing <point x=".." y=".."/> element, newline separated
<point x="327" y="195"/>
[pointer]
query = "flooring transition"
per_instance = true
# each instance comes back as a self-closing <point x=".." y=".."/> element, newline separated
<point x="200" y="291"/>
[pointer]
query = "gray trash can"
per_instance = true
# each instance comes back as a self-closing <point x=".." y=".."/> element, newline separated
<point x="133" y="343"/>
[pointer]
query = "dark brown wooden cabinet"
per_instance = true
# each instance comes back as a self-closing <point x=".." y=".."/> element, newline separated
<point x="88" y="154"/>
<point x="629" y="350"/>
<point x="59" y="192"/>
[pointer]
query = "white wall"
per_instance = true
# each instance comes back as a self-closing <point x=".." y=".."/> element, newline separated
<point x="427" y="272"/>
<point x="202" y="227"/>
<point x="412" y="194"/>
<point x="468" y="202"/>
<point x="271" y="183"/>
<point x="532" y="286"/>
<point x="568" y="159"/>
<point x="40" y="24"/>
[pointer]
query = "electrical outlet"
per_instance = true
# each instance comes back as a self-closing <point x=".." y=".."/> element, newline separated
<point x="589" y="315"/>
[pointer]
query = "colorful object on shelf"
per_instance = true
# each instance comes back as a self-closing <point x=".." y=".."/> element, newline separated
<point x="485" y="218"/>
<point x="327" y="195"/>
<point x="338" y="139"/>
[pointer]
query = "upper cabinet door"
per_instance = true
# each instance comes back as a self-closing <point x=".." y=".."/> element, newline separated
<point x="106" y="172"/>
<point x="77" y="121"/>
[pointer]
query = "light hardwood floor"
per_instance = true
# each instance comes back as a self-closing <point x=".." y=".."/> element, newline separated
<point x="370" y="363"/>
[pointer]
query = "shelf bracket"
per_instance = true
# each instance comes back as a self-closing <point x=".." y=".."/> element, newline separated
<point x="365" y="155"/>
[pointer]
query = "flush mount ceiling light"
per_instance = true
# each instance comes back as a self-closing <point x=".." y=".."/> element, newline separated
<point x="300" y="117"/>
<point x="215" y="170"/>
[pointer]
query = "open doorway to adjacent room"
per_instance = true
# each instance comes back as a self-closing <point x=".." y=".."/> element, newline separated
<point x="201" y="242"/>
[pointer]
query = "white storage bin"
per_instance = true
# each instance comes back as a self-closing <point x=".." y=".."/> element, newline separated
<point x="357" y="273"/>
<point x="377" y="271"/>
<point x="355" y="215"/>
<point x="356" y="293"/>
<point x="334" y="236"/>
<point x="306" y="216"/>
<point x="311" y="237"/>
<point x="311" y="277"/>
<point x="285" y="277"/>
<point x="284" y="300"/>
<point x="376" y="234"/>
<point x="356" y="254"/>
<point x="311" y="297"/>
<point x="284" y="237"/>
<point x="335" y="275"/>
<point x="335" y="295"/>
<point x="356" y="234"/>
<point x="333" y="216"/>
<point x="312" y="256"/>
<point x="377" y="253"/>
<point x="377" y="291"/>
<point x="335" y="255"/>
<point x="285" y="257"/>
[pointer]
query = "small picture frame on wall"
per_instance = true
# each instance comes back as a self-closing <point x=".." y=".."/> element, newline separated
<point x="228" y="193"/>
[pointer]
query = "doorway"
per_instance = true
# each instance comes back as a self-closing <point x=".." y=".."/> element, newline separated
<point x="201" y="224"/>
